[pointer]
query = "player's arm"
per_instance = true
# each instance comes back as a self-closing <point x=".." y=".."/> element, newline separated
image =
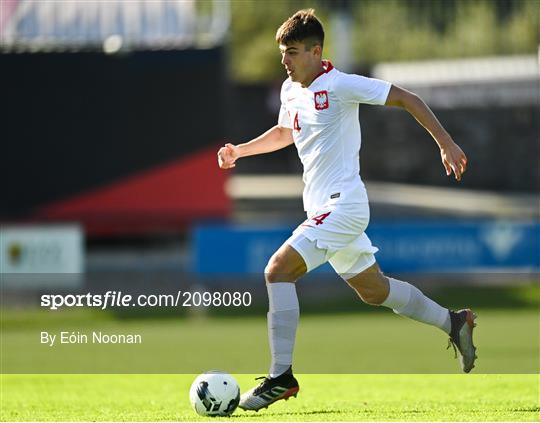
<point x="453" y="158"/>
<point x="274" y="139"/>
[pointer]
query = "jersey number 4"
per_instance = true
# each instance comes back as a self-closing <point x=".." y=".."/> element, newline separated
<point x="296" y="126"/>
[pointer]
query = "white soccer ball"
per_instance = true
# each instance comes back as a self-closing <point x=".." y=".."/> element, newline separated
<point x="214" y="393"/>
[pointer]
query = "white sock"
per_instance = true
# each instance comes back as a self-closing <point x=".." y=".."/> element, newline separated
<point x="409" y="301"/>
<point x="283" y="316"/>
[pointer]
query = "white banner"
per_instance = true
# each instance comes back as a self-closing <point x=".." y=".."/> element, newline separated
<point x="41" y="255"/>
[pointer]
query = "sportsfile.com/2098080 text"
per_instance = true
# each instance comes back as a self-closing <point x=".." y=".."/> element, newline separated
<point x="118" y="299"/>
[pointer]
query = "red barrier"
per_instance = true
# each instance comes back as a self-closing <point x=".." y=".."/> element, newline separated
<point x="163" y="199"/>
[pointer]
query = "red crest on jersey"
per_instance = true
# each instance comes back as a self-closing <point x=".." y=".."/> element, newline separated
<point x="321" y="100"/>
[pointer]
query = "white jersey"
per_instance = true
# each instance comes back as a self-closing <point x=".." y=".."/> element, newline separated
<point x="326" y="132"/>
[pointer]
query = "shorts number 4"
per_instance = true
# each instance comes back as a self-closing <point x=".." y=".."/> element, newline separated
<point x="319" y="220"/>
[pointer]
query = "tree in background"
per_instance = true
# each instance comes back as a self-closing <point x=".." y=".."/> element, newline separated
<point x="388" y="30"/>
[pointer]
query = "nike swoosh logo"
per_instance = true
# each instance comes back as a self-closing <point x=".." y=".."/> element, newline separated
<point x="291" y="99"/>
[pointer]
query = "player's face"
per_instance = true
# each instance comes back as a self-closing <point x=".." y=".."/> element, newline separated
<point x="301" y="64"/>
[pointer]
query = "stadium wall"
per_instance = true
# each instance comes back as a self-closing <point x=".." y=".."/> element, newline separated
<point x="113" y="140"/>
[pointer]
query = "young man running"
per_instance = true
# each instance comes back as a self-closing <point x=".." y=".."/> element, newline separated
<point x="319" y="114"/>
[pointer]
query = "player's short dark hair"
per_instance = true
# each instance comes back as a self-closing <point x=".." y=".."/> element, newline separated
<point x="302" y="27"/>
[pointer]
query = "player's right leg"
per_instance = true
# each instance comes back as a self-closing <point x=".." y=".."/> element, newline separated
<point x="281" y="273"/>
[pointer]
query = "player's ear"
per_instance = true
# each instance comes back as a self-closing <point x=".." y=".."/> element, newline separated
<point x="317" y="50"/>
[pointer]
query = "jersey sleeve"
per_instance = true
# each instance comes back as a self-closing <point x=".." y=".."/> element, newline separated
<point x="284" y="120"/>
<point x="360" y="89"/>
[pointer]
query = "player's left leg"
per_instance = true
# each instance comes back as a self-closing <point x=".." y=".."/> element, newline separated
<point x="374" y="288"/>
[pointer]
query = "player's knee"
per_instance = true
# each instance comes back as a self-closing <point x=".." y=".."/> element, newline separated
<point x="275" y="274"/>
<point x="372" y="288"/>
<point x="371" y="295"/>
<point x="277" y="271"/>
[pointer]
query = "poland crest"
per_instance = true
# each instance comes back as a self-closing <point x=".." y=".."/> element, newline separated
<point x="321" y="100"/>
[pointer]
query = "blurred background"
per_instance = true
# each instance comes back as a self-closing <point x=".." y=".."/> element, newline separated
<point x="113" y="113"/>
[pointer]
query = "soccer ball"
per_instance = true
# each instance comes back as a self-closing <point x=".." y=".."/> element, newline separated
<point x="214" y="393"/>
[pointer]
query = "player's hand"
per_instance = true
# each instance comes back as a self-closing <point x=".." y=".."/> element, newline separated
<point x="227" y="156"/>
<point x="454" y="160"/>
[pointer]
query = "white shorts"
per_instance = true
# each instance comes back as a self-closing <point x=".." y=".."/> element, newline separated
<point x="336" y="234"/>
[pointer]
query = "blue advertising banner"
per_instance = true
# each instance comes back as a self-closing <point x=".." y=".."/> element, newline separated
<point x="404" y="246"/>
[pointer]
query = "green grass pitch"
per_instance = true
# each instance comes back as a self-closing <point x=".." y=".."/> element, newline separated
<point x="380" y="342"/>
<point x="322" y="398"/>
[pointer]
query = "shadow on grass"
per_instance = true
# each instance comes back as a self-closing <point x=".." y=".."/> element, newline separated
<point x="526" y="409"/>
<point x="293" y="413"/>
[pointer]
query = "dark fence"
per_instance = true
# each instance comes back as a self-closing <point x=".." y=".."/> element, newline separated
<point x="75" y="123"/>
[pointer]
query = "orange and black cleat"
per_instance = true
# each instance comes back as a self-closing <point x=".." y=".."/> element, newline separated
<point x="269" y="391"/>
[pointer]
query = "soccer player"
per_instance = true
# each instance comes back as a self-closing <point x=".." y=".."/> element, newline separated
<point x="319" y="114"/>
